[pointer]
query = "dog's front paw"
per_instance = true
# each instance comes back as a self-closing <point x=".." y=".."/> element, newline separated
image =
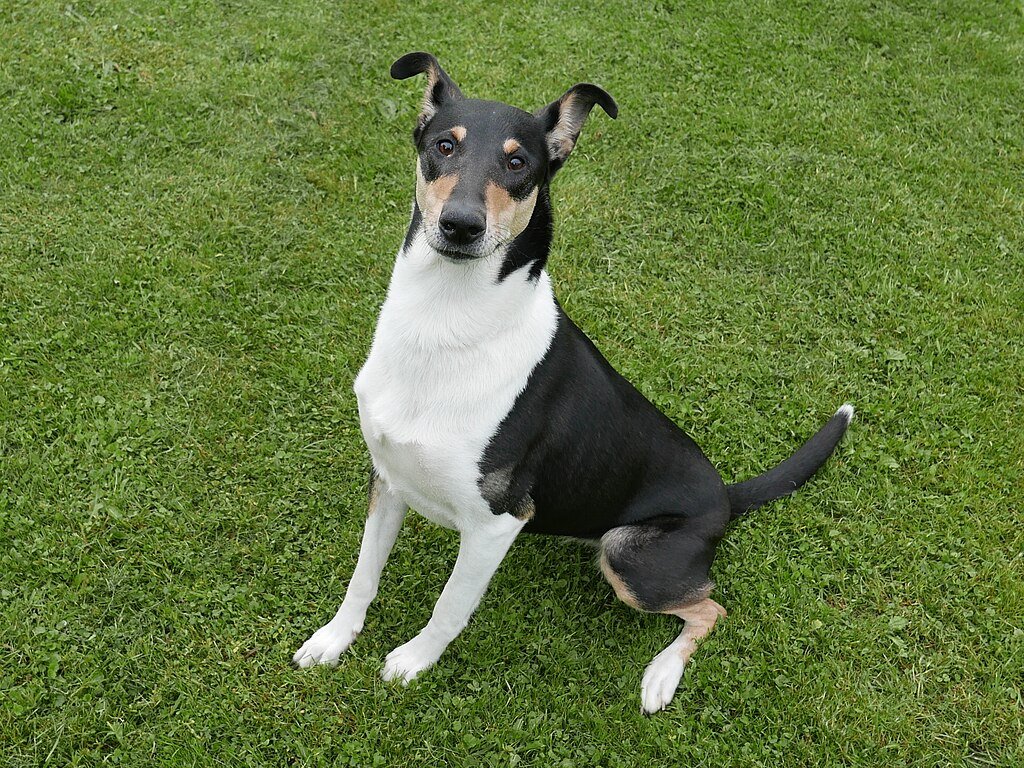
<point x="326" y="645"/>
<point x="661" y="678"/>
<point x="407" y="661"/>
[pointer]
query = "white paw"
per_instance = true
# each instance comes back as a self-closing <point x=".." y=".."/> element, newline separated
<point x="661" y="678"/>
<point x="326" y="644"/>
<point x="407" y="661"/>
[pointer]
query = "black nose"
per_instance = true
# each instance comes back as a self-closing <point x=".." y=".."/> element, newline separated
<point x="462" y="225"/>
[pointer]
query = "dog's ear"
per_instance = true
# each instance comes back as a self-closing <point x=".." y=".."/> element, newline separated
<point x="564" y="118"/>
<point x="440" y="87"/>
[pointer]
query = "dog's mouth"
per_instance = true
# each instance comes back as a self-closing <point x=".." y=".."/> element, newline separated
<point x="454" y="251"/>
<point x="456" y="255"/>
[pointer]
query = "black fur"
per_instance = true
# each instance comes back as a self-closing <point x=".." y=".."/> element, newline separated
<point x="414" y="225"/>
<point x="481" y="159"/>
<point x="786" y="477"/>
<point x="594" y="453"/>
<point x="533" y="243"/>
<point x="582" y="453"/>
<point x="664" y="563"/>
<point x="572" y="109"/>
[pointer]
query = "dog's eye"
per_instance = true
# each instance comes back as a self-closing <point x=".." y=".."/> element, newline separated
<point x="516" y="163"/>
<point x="445" y="147"/>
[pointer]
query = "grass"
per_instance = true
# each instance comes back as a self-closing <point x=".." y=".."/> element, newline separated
<point x="800" y="204"/>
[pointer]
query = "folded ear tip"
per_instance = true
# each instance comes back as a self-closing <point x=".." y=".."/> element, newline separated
<point x="599" y="95"/>
<point x="607" y="102"/>
<point x="412" y="64"/>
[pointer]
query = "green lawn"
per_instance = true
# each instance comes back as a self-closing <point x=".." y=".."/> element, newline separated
<point x="800" y="205"/>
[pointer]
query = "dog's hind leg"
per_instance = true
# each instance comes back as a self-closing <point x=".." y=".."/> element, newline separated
<point x="662" y="567"/>
<point x="662" y="676"/>
<point x="383" y="521"/>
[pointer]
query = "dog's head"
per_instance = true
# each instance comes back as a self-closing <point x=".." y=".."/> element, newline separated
<point x="482" y="164"/>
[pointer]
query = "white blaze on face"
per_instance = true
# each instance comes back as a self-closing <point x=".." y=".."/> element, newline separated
<point x="506" y="216"/>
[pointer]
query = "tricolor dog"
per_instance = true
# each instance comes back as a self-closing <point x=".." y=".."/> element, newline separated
<point x="488" y="411"/>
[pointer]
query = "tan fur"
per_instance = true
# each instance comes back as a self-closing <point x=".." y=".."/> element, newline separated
<point x="431" y="196"/>
<point x="562" y="137"/>
<point x="700" y="619"/>
<point x="374" y="495"/>
<point x="510" y="146"/>
<point x="429" y="109"/>
<point x="459" y="132"/>
<point x="697" y="596"/>
<point x="526" y="509"/>
<point x="506" y="214"/>
<point x="623" y="592"/>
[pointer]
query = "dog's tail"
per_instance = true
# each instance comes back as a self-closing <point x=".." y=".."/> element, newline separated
<point x="786" y="477"/>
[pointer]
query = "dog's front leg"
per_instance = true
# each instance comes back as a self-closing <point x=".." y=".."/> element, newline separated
<point x="481" y="551"/>
<point x="383" y="521"/>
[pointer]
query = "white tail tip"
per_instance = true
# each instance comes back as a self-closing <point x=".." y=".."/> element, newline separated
<point x="846" y="411"/>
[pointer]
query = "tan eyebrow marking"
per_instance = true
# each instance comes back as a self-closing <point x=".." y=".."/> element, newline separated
<point x="511" y="145"/>
<point x="459" y="132"/>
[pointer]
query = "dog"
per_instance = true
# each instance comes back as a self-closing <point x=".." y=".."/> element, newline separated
<point x="488" y="411"/>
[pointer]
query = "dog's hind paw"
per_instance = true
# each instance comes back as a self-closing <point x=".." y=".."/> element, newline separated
<point x="325" y="646"/>
<point x="661" y="678"/>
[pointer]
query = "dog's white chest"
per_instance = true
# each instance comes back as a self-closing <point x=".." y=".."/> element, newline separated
<point x="452" y="351"/>
<point x="426" y="427"/>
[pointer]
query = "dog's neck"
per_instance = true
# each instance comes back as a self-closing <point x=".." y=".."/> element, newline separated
<point x="435" y="302"/>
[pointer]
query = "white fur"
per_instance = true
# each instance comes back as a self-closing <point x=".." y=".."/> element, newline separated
<point x="334" y="637"/>
<point x="453" y="349"/>
<point x="662" y="676"/>
<point x="481" y="551"/>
